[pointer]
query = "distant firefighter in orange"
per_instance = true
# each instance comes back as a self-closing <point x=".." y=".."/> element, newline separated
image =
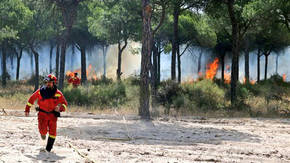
<point x="74" y="80"/>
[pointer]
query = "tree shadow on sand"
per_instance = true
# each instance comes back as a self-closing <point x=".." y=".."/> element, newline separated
<point x="46" y="157"/>
<point x="156" y="132"/>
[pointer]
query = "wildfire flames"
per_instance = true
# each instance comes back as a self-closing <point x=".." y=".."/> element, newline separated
<point x="91" y="74"/>
<point x="284" y="77"/>
<point x="227" y="75"/>
<point x="212" y="69"/>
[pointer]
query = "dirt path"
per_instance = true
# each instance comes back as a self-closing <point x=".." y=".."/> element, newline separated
<point x="96" y="138"/>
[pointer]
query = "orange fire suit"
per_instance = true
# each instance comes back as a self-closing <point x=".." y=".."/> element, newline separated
<point x="47" y="120"/>
<point x="75" y="81"/>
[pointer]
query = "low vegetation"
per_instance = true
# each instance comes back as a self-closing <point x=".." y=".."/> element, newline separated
<point x="269" y="98"/>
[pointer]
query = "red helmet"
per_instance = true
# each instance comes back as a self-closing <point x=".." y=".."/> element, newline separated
<point x="50" y="77"/>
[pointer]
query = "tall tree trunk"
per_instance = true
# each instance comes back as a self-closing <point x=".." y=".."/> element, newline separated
<point x="247" y="66"/>
<point x="104" y="59"/>
<point x="120" y="51"/>
<point x="31" y="63"/>
<point x="199" y="62"/>
<point x="69" y="14"/>
<point x="36" y="60"/>
<point x="153" y="74"/>
<point x="223" y="66"/>
<point x="72" y="59"/>
<point x="57" y="60"/>
<point x="50" y="57"/>
<point x="19" y="55"/>
<point x="145" y="60"/>
<point x="235" y="51"/>
<point x="119" y="73"/>
<point x="266" y="63"/>
<point x="179" y="64"/>
<point x="258" y="65"/>
<point x="62" y="64"/>
<point x="158" y="62"/>
<point x="83" y="65"/>
<point x="4" y="71"/>
<point x="158" y="67"/>
<point x="174" y="41"/>
<point x="277" y="60"/>
<point x="266" y="67"/>
<point x="11" y="62"/>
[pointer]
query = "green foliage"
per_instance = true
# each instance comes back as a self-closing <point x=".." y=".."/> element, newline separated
<point x="204" y="95"/>
<point x="104" y="95"/>
<point x="167" y="92"/>
<point x="133" y="80"/>
<point x="102" y="81"/>
<point x="14" y="17"/>
<point x="6" y="33"/>
<point x="114" y="23"/>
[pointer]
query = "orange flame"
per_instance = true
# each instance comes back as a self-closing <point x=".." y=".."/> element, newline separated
<point x="284" y="77"/>
<point x="227" y="75"/>
<point x="252" y="82"/>
<point x="90" y="72"/>
<point x="212" y="69"/>
<point x="227" y="78"/>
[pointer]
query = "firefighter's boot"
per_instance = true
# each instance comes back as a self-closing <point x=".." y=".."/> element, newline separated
<point x="50" y="142"/>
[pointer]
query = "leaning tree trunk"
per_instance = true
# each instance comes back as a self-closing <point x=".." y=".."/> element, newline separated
<point x="18" y="63"/>
<point x="145" y="60"/>
<point x="120" y="51"/>
<point x="235" y="51"/>
<point x="36" y="60"/>
<point x="4" y="71"/>
<point x="174" y="41"/>
<point x="83" y="65"/>
<point x="57" y="60"/>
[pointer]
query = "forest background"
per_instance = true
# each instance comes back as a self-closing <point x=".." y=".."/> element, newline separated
<point x="181" y="57"/>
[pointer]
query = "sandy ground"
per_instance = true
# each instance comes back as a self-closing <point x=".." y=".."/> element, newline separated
<point x="85" y="137"/>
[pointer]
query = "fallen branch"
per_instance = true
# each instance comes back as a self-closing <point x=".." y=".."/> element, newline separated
<point x="116" y="139"/>
<point x="4" y="112"/>
<point x="81" y="154"/>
